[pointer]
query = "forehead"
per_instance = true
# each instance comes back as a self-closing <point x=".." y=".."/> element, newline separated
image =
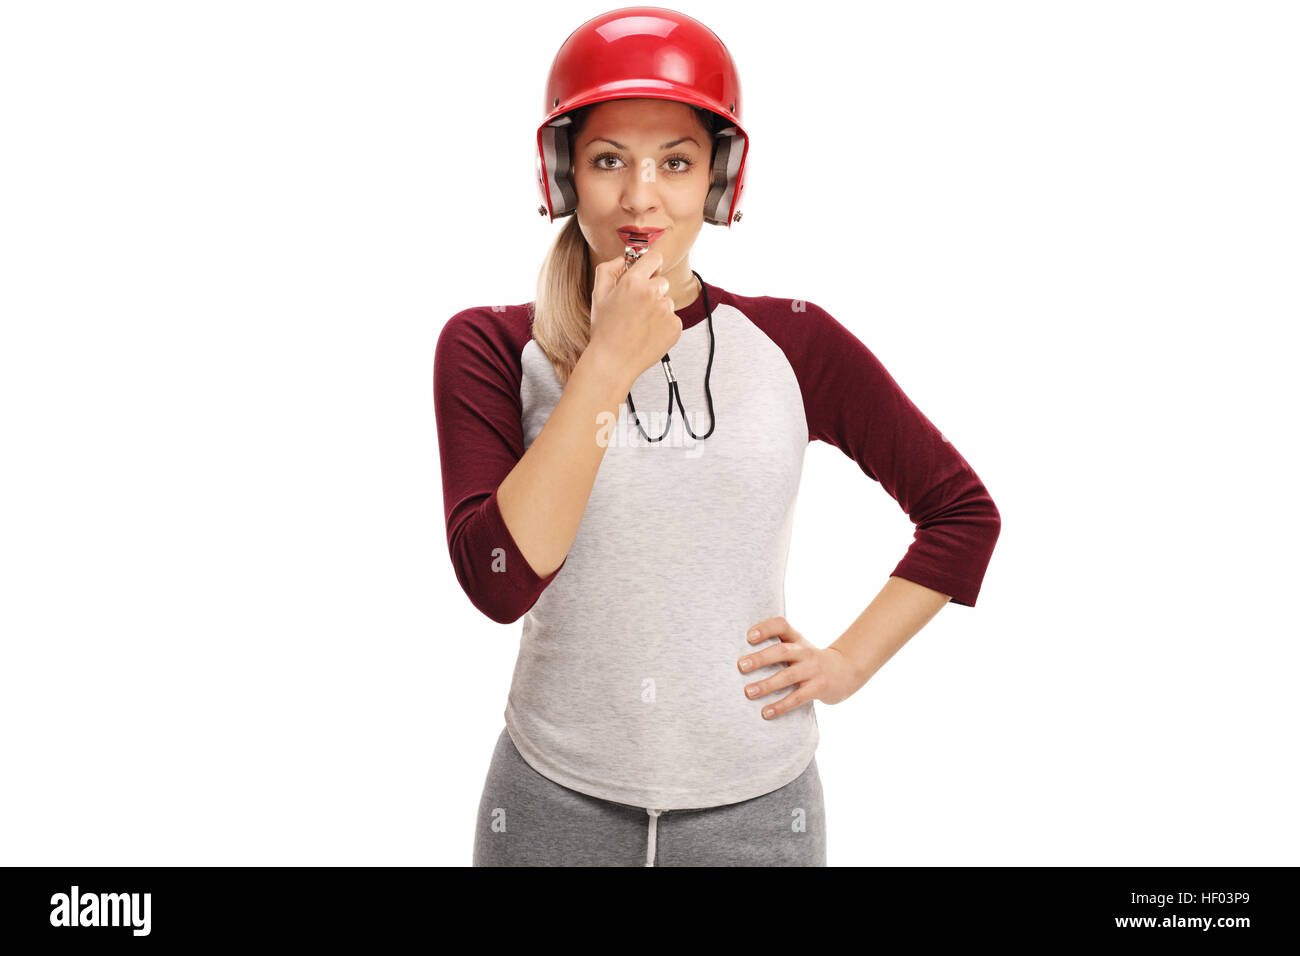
<point x="641" y="117"/>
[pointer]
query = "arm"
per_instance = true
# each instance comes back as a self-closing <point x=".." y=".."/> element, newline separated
<point x="545" y="496"/>
<point x="853" y="403"/>
<point x="896" y="614"/>
<point x="512" y="515"/>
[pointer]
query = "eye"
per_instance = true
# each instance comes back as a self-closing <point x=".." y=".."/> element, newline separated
<point x="598" y="163"/>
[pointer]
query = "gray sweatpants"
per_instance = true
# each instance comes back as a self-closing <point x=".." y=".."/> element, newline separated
<point x="526" y="819"/>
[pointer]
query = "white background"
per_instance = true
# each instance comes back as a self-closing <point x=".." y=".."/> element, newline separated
<point x="231" y="232"/>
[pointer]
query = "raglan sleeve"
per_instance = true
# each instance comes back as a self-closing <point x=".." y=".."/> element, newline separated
<point x="853" y="403"/>
<point x="478" y="416"/>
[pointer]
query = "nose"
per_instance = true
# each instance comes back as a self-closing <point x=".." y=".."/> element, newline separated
<point x="642" y="191"/>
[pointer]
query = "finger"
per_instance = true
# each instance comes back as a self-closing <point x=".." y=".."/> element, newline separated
<point x="648" y="263"/>
<point x="789" y="702"/>
<point x="625" y="264"/>
<point x="773" y="627"/>
<point x="607" y="274"/>
<point x="790" y="674"/>
<point x="772" y="654"/>
<point x="621" y="269"/>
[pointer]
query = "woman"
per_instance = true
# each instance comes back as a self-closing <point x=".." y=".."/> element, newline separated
<point x="644" y="550"/>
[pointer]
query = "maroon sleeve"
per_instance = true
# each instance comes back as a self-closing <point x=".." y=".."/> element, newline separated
<point x="477" y="408"/>
<point x="852" y="402"/>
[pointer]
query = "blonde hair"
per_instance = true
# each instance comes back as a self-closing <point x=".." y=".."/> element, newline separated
<point x="561" y="312"/>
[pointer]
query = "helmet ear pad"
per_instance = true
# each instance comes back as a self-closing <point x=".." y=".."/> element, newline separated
<point x="556" y="142"/>
<point x="728" y="151"/>
<point x="557" y="150"/>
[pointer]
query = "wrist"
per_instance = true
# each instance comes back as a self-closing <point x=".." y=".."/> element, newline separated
<point x="600" y="367"/>
<point x="855" y="667"/>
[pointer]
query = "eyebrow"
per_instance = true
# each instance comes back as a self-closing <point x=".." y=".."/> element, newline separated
<point x="684" y="139"/>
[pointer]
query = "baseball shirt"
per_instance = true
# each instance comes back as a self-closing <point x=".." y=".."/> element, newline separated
<point x="626" y="686"/>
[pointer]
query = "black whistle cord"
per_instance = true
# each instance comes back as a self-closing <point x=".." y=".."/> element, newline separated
<point x="674" y="391"/>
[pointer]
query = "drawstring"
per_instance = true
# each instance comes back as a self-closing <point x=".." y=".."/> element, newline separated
<point x="650" y="843"/>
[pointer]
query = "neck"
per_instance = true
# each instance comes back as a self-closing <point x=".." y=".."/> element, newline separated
<point x="683" y="287"/>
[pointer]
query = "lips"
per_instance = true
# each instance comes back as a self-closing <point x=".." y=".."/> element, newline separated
<point x="640" y="238"/>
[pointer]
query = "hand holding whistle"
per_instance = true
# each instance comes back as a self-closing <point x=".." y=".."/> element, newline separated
<point x="632" y="318"/>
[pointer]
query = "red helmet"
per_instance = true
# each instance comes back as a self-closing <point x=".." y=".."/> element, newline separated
<point x="642" y="52"/>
